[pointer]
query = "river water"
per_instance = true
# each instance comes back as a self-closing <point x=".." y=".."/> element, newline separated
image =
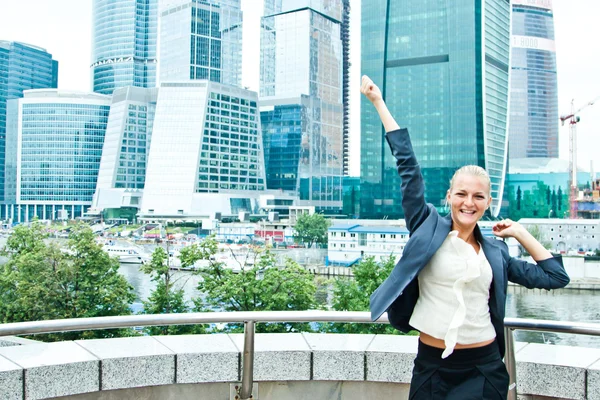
<point x="573" y="305"/>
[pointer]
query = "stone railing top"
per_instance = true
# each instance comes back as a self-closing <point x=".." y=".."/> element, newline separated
<point x="43" y="370"/>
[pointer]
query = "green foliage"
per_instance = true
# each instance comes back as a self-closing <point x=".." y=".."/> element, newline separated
<point x="198" y="251"/>
<point x="259" y="287"/>
<point x="540" y="202"/>
<point x="354" y="294"/>
<point x="311" y="229"/>
<point x="40" y="281"/>
<point x="168" y="296"/>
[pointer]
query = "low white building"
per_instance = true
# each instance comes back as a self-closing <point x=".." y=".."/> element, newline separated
<point x="567" y="235"/>
<point x="349" y="243"/>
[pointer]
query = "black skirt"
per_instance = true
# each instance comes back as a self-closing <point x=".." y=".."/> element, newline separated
<point x="466" y="374"/>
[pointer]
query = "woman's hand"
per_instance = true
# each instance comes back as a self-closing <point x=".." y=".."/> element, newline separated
<point x="370" y="90"/>
<point x="507" y="228"/>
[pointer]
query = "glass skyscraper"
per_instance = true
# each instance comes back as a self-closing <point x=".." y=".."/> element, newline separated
<point x="534" y="99"/>
<point x="443" y="70"/>
<point x="54" y="144"/>
<point x="201" y="39"/>
<point x="22" y="67"/>
<point x="123" y="44"/>
<point x="302" y="110"/>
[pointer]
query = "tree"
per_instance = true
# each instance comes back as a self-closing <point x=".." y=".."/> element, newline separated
<point x="311" y="229"/>
<point x="353" y="295"/>
<point x="260" y="286"/>
<point x="167" y="297"/>
<point x="41" y="281"/>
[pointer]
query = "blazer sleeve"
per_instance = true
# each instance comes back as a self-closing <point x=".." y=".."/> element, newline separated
<point x="412" y="186"/>
<point x="544" y="274"/>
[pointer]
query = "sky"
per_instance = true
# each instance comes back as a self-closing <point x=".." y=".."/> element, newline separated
<point x="63" y="28"/>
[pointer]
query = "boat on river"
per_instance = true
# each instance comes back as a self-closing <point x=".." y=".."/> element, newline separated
<point x="126" y="254"/>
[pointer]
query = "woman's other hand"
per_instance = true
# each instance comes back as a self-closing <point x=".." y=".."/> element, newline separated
<point x="370" y="90"/>
<point x="507" y="228"/>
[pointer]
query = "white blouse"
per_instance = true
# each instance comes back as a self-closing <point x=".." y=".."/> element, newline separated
<point x="454" y="289"/>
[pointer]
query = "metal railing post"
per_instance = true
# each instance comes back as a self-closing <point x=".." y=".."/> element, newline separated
<point x="511" y="365"/>
<point x="247" y="361"/>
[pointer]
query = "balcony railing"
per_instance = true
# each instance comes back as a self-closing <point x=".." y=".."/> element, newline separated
<point x="251" y="318"/>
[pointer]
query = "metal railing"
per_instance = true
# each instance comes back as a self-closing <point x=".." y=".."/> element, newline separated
<point x="250" y="318"/>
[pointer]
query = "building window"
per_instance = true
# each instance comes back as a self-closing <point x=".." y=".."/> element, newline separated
<point x="362" y="239"/>
<point x="382" y="236"/>
<point x="343" y="234"/>
<point x="393" y="236"/>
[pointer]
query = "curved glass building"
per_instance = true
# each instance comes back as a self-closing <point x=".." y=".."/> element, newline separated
<point x="123" y="44"/>
<point x="54" y="143"/>
<point x="443" y="69"/>
<point x="534" y="99"/>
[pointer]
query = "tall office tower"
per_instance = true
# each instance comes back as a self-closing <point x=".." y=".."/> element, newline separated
<point x="54" y="144"/>
<point x="443" y="71"/>
<point x="533" y="127"/>
<point x="345" y="36"/>
<point x="126" y="146"/>
<point x="22" y="67"/>
<point x="123" y="44"/>
<point x="302" y="111"/>
<point x="201" y="39"/>
<point x="206" y="153"/>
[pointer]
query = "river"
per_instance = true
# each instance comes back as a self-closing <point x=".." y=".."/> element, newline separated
<point x="573" y="305"/>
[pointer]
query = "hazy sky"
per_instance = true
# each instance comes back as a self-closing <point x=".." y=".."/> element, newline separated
<point x="63" y="28"/>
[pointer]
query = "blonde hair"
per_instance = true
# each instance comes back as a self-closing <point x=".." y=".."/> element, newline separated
<point x="474" y="170"/>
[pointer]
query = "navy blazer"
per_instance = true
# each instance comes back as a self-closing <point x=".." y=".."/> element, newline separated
<point x="399" y="292"/>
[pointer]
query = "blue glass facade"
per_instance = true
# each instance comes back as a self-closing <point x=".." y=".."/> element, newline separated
<point x="22" y="67"/>
<point x="282" y="138"/>
<point x="534" y="98"/>
<point x="124" y="42"/>
<point x="54" y="154"/>
<point x="443" y="70"/>
<point x="302" y="90"/>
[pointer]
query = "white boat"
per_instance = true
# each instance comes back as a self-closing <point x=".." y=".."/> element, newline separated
<point x="127" y="254"/>
<point x="231" y="257"/>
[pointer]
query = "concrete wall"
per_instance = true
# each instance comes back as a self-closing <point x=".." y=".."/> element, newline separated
<point x="287" y="366"/>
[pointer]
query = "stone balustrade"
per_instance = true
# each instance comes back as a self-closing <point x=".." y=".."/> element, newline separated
<point x="286" y="366"/>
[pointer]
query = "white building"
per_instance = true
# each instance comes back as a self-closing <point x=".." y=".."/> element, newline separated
<point x="126" y="146"/>
<point x="349" y="243"/>
<point x="567" y="235"/>
<point x="206" y="155"/>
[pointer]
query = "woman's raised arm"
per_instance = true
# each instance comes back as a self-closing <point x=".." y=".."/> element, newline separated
<point x="372" y="92"/>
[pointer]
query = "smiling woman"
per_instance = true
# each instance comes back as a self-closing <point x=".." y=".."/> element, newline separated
<point x="451" y="281"/>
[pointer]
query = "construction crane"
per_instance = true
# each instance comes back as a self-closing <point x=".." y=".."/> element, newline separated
<point x="573" y="119"/>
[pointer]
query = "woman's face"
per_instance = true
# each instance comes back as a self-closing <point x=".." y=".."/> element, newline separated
<point x="468" y="199"/>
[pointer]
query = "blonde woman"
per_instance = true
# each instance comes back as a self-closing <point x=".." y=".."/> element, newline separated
<point x="450" y="284"/>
